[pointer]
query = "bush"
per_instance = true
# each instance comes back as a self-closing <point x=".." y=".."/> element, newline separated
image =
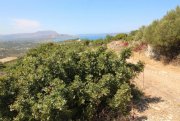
<point x="164" y="34"/>
<point x="121" y="36"/>
<point x="2" y="65"/>
<point x="68" y="82"/>
<point x="139" y="36"/>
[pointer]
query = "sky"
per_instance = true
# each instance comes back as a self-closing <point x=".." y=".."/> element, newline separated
<point x="80" y="16"/>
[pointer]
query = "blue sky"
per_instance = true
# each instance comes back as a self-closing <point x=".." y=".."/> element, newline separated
<point x="80" y="16"/>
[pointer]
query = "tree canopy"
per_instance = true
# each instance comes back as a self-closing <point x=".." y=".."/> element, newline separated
<point x="164" y="34"/>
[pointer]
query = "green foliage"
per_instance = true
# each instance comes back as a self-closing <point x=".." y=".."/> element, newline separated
<point x="139" y="36"/>
<point x="121" y="36"/>
<point x="164" y="34"/>
<point x="131" y="35"/>
<point x="2" y="66"/>
<point x="67" y="81"/>
<point x="98" y="42"/>
<point x="109" y="37"/>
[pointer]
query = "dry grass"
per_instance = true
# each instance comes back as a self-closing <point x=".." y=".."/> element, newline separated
<point x="157" y="64"/>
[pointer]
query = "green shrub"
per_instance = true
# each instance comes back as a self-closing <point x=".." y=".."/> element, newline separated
<point x="68" y="82"/>
<point x="2" y="66"/>
<point x="164" y="34"/>
<point x="121" y="36"/>
<point x="139" y="36"/>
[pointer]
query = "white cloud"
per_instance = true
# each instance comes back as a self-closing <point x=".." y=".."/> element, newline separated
<point x="26" y="24"/>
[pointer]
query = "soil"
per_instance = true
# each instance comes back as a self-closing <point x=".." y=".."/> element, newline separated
<point x="161" y="86"/>
<point x="7" y="59"/>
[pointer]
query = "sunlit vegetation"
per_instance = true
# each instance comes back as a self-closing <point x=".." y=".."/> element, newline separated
<point x="2" y="66"/>
<point x="82" y="80"/>
<point x="68" y="81"/>
<point x="163" y="35"/>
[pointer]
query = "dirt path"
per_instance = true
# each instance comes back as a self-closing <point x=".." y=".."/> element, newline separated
<point x="7" y="59"/>
<point x="161" y="86"/>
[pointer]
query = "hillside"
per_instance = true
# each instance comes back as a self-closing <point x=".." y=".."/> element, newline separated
<point x="36" y="36"/>
<point x="18" y="44"/>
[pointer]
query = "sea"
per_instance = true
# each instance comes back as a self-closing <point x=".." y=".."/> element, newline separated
<point x="84" y="37"/>
<point x="92" y="36"/>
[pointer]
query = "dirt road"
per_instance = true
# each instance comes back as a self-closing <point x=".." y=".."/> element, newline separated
<point x="161" y="85"/>
<point x="7" y="59"/>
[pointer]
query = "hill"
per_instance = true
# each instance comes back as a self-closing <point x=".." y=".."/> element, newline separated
<point x="37" y="36"/>
<point x="18" y="44"/>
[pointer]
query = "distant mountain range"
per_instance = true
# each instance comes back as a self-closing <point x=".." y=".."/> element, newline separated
<point x="39" y="36"/>
<point x="46" y="36"/>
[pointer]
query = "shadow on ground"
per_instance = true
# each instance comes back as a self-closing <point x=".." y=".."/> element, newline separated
<point x="141" y="118"/>
<point x="143" y="103"/>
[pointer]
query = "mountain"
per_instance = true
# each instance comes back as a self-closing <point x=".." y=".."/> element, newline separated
<point x="37" y="36"/>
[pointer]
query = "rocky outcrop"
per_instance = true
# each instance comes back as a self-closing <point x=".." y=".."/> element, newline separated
<point x="150" y="52"/>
